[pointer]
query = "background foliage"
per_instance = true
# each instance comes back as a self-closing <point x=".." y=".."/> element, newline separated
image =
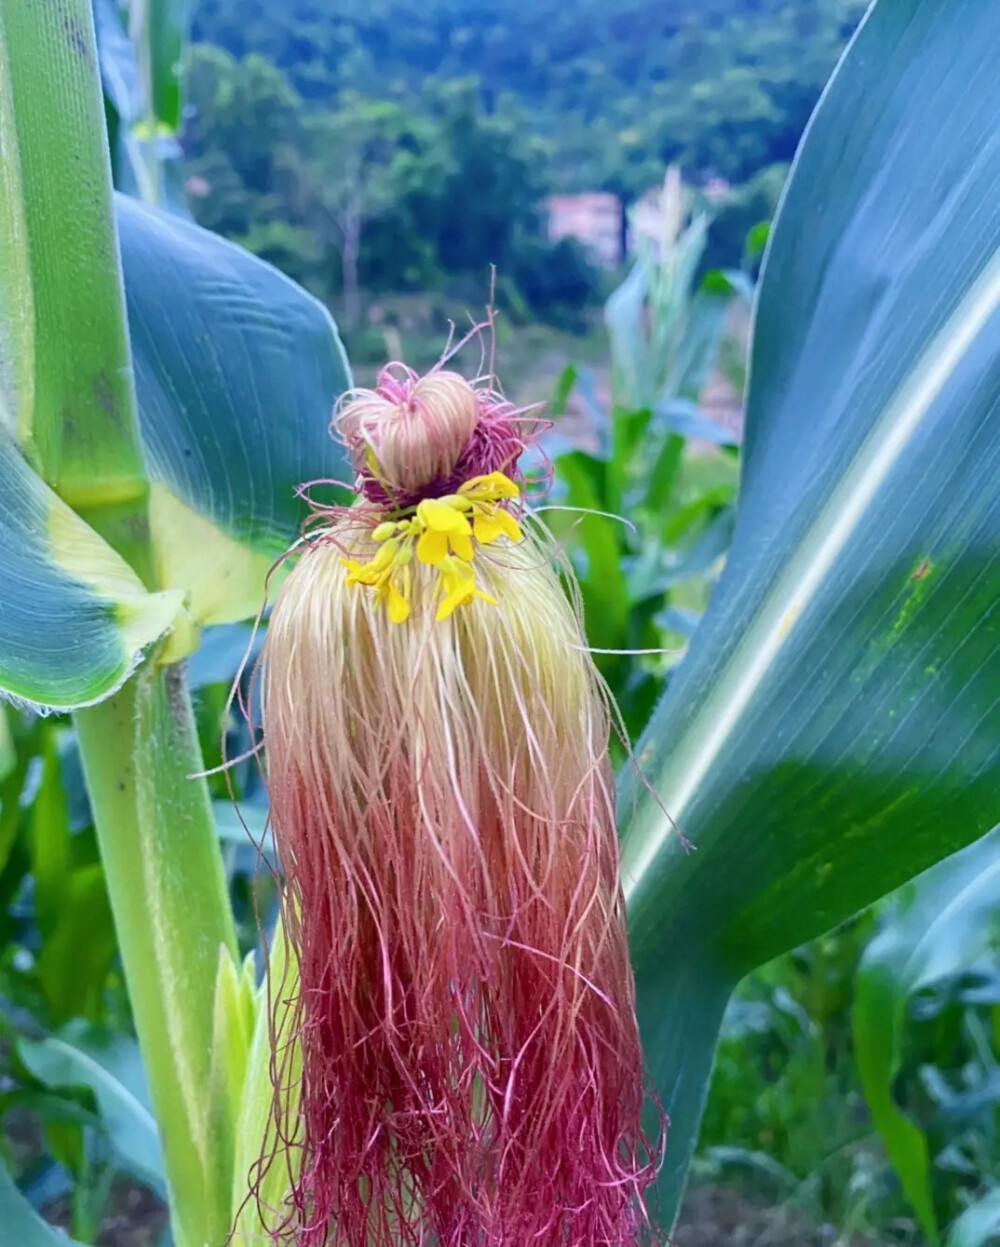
<point x="304" y="117"/>
<point x="616" y="90"/>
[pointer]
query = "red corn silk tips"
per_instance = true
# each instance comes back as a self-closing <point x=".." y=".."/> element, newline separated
<point x="442" y="803"/>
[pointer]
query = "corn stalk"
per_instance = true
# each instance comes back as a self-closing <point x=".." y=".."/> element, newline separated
<point x="77" y="426"/>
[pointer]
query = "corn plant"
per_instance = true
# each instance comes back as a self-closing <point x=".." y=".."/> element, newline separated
<point x="926" y="995"/>
<point x="833" y="728"/>
<point x="645" y="583"/>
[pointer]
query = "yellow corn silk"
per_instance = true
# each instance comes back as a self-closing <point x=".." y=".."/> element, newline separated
<point x="441" y="533"/>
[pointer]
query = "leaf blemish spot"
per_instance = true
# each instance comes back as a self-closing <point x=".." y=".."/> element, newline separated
<point x="76" y="39"/>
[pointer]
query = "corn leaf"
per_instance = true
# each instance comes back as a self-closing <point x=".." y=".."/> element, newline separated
<point x="74" y="618"/>
<point x="74" y="615"/>
<point x="164" y="26"/>
<point x="140" y="54"/>
<point x="937" y="927"/>
<point x="255" y="1127"/>
<point x="233" y="1020"/>
<point x="8" y="750"/>
<point x="21" y="1224"/>
<point x="110" y="1067"/>
<point x="835" y="727"/>
<point x="978" y="1224"/>
<point x="237" y="370"/>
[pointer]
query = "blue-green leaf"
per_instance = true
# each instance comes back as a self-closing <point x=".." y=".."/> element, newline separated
<point x="20" y="1223"/>
<point x="237" y="370"/>
<point x="835" y="727"/>
<point x="74" y="618"/>
<point x="109" y="1066"/>
<point x="979" y="1224"/>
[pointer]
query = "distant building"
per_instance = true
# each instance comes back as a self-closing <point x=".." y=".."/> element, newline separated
<point x="594" y="220"/>
<point x="197" y="187"/>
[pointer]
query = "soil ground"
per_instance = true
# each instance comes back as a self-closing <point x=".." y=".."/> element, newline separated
<point x="713" y="1216"/>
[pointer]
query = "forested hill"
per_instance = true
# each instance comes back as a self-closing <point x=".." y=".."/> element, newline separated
<point x="617" y="87"/>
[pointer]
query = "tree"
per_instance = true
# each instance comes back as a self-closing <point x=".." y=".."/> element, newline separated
<point x="352" y="153"/>
<point x="616" y="88"/>
<point x="370" y="193"/>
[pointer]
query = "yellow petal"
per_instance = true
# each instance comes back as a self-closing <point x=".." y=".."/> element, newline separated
<point x="454" y="573"/>
<point x="440" y="517"/>
<point x="432" y="547"/>
<point x="358" y="573"/>
<point x="495" y="522"/>
<point x="493" y="485"/>
<point x="461" y="593"/>
<point x="397" y="605"/>
<point x="511" y="528"/>
<point x="461" y="546"/>
<point x="487" y="528"/>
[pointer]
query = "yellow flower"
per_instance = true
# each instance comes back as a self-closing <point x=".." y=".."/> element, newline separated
<point x="458" y="581"/>
<point x="441" y="533"/>
<point x="443" y="526"/>
<point x="489" y="525"/>
<point x="489" y="488"/>
<point x="397" y="604"/>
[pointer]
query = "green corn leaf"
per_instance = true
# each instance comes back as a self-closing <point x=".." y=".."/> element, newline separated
<point x="8" y="749"/>
<point x="165" y="24"/>
<point x="602" y="583"/>
<point x="140" y="56"/>
<point x="233" y="1020"/>
<point x="70" y="900"/>
<point x="74" y="618"/>
<point x="237" y="370"/>
<point x="939" y="925"/>
<point x="74" y="961"/>
<point x="110" y="1067"/>
<point x="21" y="1224"/>
<point x="134" y="162"/>
<point x="255" y="1137"/>
<point x="236" y="367"/>
<point x="120" y="76"/>
<point x="17" y="313"/>
<point x="141" y="52"/>
<point x="835" y="728"/>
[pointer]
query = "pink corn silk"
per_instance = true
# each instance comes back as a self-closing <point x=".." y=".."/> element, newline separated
<point x="502" y="433"/>
<point x="468" y="1034"/>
